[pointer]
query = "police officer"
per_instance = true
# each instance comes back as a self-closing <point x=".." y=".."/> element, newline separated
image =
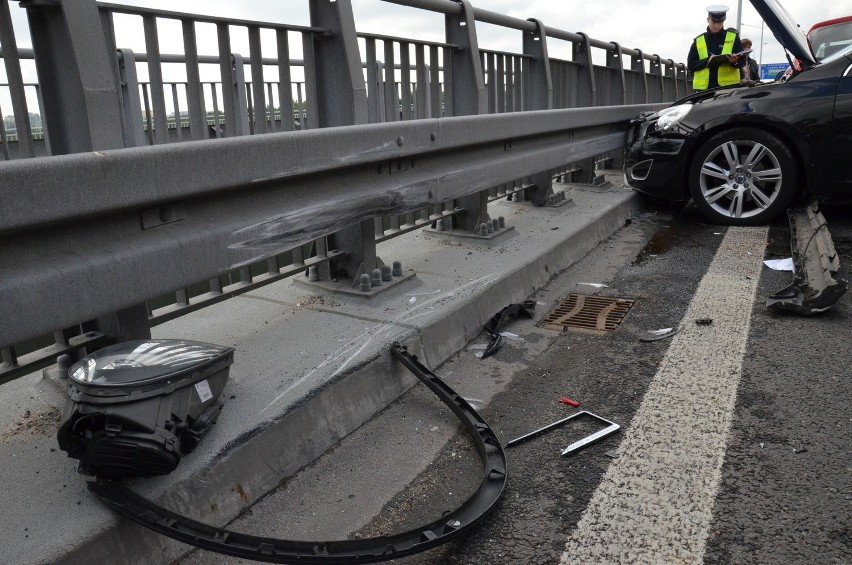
<point x="713" y="57"/>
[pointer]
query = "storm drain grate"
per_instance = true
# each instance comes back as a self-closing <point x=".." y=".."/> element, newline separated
<point x="597" y="315"/>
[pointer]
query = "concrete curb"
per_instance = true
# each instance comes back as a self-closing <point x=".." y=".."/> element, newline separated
<point x="260" y="461"/>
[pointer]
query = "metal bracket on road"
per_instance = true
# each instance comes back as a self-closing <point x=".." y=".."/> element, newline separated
<point x="461" y="520"/>
<point x="610" y="429"/>
<point x="815" y="287"/>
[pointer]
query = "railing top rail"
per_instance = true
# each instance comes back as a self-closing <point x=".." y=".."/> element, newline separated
<point x="138" y="11"/>
<point x="450" y="7"/>
<point x="406" y="40"/>
<point x="506" y="53"/>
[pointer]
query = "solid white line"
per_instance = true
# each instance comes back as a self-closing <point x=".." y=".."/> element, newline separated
<point x="655" y="502"/>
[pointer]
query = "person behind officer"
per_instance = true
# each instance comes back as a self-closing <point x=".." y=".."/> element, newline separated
<point x="723" y="69"/>
<point x="750" y="70"/>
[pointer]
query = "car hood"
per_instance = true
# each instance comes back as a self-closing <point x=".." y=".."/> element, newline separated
<point x="785" y="28"/>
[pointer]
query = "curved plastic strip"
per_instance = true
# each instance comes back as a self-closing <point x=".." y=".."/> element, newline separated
<point x="137" y="508"/>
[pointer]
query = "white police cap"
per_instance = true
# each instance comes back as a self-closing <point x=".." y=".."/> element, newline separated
<point x="717" y="12"/>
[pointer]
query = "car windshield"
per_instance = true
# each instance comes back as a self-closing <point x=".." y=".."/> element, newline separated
<point x="831" y="39"/>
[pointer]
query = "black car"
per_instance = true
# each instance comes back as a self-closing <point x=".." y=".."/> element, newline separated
<point x="744" y="153"/>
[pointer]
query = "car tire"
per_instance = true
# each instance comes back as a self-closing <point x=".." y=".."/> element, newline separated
<point x="742" y="177"/>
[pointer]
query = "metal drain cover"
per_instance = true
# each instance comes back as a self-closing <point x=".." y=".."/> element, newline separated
<point x="596" y="315"/>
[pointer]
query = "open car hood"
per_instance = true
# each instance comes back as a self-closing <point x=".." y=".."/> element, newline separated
<point x="785" y="28"/>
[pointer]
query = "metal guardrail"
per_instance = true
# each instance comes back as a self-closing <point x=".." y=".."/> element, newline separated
<point x="124" y="212"/>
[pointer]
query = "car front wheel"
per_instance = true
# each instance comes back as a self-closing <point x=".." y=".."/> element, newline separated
<point x="742" y="176"/>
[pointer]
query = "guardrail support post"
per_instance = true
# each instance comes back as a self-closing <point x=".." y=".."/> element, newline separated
<point x="75" y="70"/>
<point x="342" y="101"/>
<point x="469" y="97"/>
<point x="81" y="102"/>
<point x="658" y="90"/>
<point x="637" y="64"/>
<point x="539" y="96"/>
<point x="586" y="94"/>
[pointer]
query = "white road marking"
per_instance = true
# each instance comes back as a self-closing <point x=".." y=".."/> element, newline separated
<point x="655" y="502"/>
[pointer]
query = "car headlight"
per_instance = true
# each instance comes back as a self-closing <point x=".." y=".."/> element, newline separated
<point x="135" y="407"/>
<point x="669" y="117"/>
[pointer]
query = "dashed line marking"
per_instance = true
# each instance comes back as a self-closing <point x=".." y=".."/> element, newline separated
<point x="655" y="502"/>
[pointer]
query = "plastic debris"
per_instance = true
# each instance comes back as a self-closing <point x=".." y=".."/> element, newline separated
<point x="568" y="401"/>
<point x="594" y="285"/>
<point x="780" y="264"/>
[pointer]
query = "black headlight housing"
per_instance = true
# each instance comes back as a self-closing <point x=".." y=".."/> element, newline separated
<point x="135" y="407"/>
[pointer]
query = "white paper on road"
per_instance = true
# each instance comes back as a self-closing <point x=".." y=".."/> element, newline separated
<point x="780" y="264"/>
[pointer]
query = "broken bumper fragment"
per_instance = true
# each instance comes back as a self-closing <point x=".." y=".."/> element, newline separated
<point x="131" y="505"/>
<point x="816" y="286"/>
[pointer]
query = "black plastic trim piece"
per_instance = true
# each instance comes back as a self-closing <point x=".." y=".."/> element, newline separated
<point x="120" y="498"/>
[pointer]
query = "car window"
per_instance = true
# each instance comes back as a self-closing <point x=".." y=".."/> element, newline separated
<point x="845" y="49"/>
<point x="829" y="40"/>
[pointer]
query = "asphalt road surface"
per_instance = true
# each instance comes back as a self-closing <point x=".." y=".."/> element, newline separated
<point x="734" y="445"/>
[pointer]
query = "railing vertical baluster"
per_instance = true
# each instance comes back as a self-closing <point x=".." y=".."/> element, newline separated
<point x="182" y="297"/>
<point x="500" y="86"/>
<point x="155" y="77"/>
<point x="491" y="83"/>
<point x="379" y="226"/>
<point x="146" y="102"/>
<point x="324" y="268"/>
<point x="391" y="112"/>
<point x="637" y="64"/>
<point x="270" y="96"/>
<point x="217" y="116"/>
<point x="134" y="127"/>
<point x="255" y="52"/>
<point x="226" y="71"/>
<point x="374" y="108"/>
<point x="422" y="78"/>
<point x="405" y="83"/>
<point x="510" y="84"/>
<point x="194" y="88"/>
<point x="250" y="102"/>
<point x="241" y="99"/>
<point x="435" y="96"/>
<point x="16" y="83"/>
<point x="4" y="141"/>
<point x="302" y="115"/>
<point x="176" y="103"/>
<point x="311" y="92"/>
<point x="285" y="85"/>
<point x="245" y="275"/>
<point x="215" y="285"/>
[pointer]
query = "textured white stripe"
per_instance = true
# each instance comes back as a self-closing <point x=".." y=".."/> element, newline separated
<point x="655" y="503"/>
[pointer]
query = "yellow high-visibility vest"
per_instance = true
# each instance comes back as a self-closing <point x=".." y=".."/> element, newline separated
<point x="727" y="74"/>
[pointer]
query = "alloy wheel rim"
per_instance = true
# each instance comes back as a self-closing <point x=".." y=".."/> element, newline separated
<point x="740" y="178"/>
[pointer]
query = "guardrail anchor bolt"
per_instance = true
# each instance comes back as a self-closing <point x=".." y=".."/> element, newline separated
<point x="397" y="269"/>
<point x="386" y="273"/>
<point x="495" y="224"/>
<point x="365" y="282"/>
<point x="376" y="278"/>
<point x="313" y="273"/>
<point x="483" y="229"/>
<point x="439" y="225"/>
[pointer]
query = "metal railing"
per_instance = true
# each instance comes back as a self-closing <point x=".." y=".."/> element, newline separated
<point x="126" y="225"/>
